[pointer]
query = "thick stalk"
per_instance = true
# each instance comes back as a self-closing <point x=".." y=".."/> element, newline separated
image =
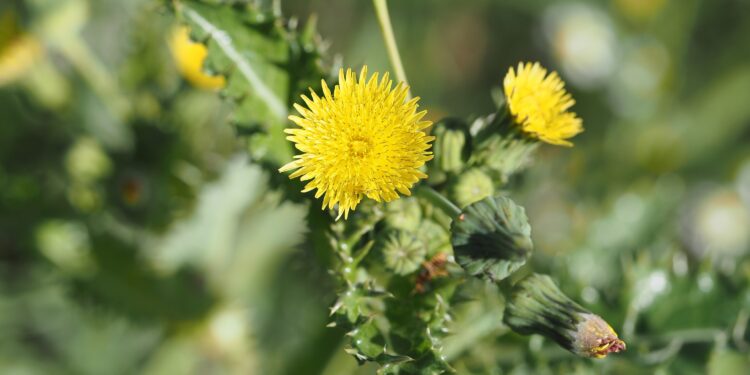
<point x="95" y="74"/>
<point x="438" y="200"/>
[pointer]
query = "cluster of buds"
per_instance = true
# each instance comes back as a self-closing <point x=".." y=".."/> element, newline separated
<point x="492" y="240"/>
<point x="349" y="152"/>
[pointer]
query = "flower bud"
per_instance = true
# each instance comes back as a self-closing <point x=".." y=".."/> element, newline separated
<point x="404" y="214"/>
<point x="86" y="161"/>
<point x="403" y="253"/>
<point x="537" y="306"/>
<point x="450" y="145"/>
<point x="472" y="186"/>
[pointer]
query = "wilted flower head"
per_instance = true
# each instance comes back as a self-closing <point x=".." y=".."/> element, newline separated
<point x="189" y="57"/>
<point x="539" y="104"/>
<point x="539" y="307"/>
<point x="364" y="139"/>
<point x="595" y="338"/>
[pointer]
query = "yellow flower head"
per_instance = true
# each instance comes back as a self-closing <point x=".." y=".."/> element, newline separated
<point x="189" y="57"/>
<point x="539" y="104"/>
<point x="365" y="139"/>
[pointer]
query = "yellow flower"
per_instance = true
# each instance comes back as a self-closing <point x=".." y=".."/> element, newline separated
<point x="539" y="104"/>
<point x="365" y="139"/>
<point x="18" y="57"/>
<point x="189" y="57"/>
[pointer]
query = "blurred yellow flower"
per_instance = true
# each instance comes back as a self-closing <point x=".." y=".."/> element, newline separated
<point x="18" y="57"/>
<point x="365" y="139"/>
<point x="189" y="57"/>
<point x="640" y="10"/>
<point x="539" y="104"/>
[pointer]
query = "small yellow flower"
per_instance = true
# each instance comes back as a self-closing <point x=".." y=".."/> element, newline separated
<point x="365" y="139"/>
<point x="539" y="104"/>
<point x="189" y="57"/>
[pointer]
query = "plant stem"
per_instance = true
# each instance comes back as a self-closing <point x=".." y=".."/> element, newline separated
<point x="487" y="324"/>
<point x="438" y="200"/>
<point x="381" y="10"/>
<point x="94" y="72"/>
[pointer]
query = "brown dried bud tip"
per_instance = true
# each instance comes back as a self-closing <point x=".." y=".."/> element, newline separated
<point x="595" y="338"/>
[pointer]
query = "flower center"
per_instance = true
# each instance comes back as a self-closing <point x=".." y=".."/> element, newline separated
<point x="359" y="147"/>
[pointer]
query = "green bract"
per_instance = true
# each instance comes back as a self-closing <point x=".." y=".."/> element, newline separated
<point x="492" y="238"/>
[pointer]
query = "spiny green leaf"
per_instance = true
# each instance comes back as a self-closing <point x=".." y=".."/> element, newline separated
<point x="267" y="64"/>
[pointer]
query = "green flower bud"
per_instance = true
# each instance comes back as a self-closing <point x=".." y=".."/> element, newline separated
<point x="403" y="253"/>
<point x="472" y="186"/>
<point x="84" y="197"/>
<point x="492" y="238"/>
<point x="537" y="306"/>
<point x="86" y="161"/>
<point x="66" y="244"/>
<point x="404" y="214"/>
<point x="435" y="237"/>
<point x="449" y="147"/>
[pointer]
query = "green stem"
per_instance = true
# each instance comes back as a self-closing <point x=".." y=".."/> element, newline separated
<point x="381" y="10"/>
<point x="94" y="72"/>
<point x="501" y="124"/>
<point x="467" y="337"/>
<point x="693" y="335"/>
<point x="438" y="200"/>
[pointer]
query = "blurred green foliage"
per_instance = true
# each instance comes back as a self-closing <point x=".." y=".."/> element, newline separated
<point x="139" y="235"/>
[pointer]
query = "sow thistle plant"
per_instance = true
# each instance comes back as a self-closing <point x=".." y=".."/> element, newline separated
<point x="364" y="147"/>
<point x="367" y="140"/>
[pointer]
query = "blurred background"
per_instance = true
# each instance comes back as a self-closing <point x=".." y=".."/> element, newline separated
<point x="137" y="236"/>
